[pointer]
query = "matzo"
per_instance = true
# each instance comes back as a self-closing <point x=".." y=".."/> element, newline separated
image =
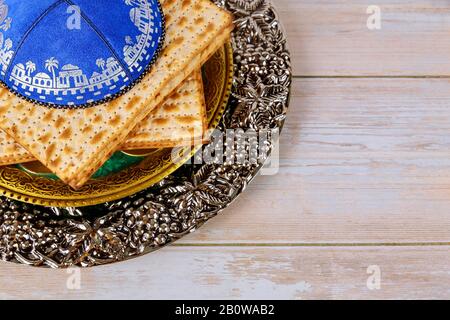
<point x="180" y="120"/>
<point x="75" y="143"/>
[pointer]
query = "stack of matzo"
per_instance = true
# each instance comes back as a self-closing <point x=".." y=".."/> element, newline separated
<point x="75" y="143"/>
<point x="180" y="120"/>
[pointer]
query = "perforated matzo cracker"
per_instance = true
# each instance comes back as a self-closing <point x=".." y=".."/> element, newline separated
<point x="180" y="120"/>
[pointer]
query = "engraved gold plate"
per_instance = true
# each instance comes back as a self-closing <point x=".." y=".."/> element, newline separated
<point x="32" y="184"/>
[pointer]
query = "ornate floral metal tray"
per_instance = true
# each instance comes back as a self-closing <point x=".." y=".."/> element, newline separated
<point x="182" y="202"/>
<point x="126" y="172"/>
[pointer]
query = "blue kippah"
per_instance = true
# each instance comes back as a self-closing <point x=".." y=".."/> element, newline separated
<point x="77" y="53"/>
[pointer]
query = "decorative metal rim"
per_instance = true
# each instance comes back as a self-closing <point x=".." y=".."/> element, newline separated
<point x="181" y="203"/>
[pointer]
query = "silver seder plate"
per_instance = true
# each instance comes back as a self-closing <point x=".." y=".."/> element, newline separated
<point x="111" y="232"/>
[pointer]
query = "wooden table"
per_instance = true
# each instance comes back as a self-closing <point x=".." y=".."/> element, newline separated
<point x="364" y="183"/>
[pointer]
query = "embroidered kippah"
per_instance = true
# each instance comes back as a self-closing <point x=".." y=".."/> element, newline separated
<point x="77" y="53"/>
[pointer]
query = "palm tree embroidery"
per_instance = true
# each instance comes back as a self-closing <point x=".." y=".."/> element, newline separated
<point x="31" y="67"/>
<point x="52" y="64"/>
<point x="100" y="63"/>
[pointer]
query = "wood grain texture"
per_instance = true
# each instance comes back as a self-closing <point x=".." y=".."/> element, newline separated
<point x="331" y="38"/>
<point x="247" y="273"/>
<point x="364" y="177"/>
<point x="362" y="161"/>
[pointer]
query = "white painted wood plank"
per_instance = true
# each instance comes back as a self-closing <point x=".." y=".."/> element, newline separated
<point x="362" y="161"/>
<point x="330" y="37"/>
<point x="250" y="273"/>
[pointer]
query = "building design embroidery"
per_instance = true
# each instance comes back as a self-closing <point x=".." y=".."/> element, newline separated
<point x="69" y="79"/>
<point x="143" y="18"/>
